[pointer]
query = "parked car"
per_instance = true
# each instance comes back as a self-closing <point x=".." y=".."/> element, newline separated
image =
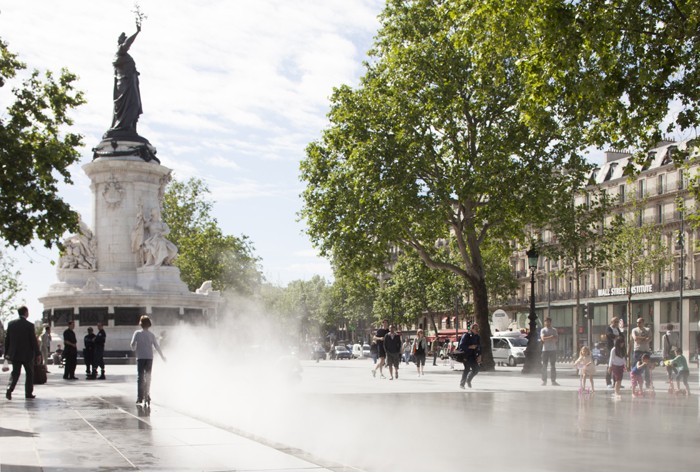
<point x="509" y="349"/>
<point x="341" y="352"/>
<point x="360" y="351"/>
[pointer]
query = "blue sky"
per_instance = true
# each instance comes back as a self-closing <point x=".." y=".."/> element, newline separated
<point x="232" y="93"/>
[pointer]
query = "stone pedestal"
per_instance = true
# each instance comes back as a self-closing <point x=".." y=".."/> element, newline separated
<point x="119" y="288"/>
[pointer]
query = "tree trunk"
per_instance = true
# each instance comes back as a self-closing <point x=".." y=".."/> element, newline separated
<point x="481" y="310"/>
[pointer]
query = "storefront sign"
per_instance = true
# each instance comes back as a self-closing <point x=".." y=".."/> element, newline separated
<point x="608" y="292"/>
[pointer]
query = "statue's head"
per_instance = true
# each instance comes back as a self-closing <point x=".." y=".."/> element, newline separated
<point x="122" y="38"/>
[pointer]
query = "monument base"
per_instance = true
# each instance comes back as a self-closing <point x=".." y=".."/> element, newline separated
<point x="121" y="147"/>
<point x="160" y="279"/>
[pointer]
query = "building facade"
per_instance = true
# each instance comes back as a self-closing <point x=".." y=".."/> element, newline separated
<point x="659" y="188"/>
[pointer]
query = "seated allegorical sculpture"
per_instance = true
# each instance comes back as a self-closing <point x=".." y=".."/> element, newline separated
<point x="149" y="242"/>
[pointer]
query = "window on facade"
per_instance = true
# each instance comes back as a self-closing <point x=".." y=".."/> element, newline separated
<point x="681" y="180"/>
<point x="602" y="280"/>
<point x="641" y="188"/>
<point x="661" y="184"/>
<point x="621" y="193"/>
<point x="640" y="218"/>
<point x="659" y="214"/>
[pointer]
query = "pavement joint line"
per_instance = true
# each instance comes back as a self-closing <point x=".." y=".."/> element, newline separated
<point x="283" y="448"/>
<point x="111" y="444"/>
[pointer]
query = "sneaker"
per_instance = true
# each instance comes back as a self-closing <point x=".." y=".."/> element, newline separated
<point x="397" y="374"/>
<point x="544" y="382"/>
<point x="469" y="383"/>
<point x="554" y="384"/>
<point x="610" y="387"/>
<point x="461" y="386"/>
<point x="374" y="373"/>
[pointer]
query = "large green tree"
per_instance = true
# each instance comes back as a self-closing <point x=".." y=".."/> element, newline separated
<point x="204" y="252"/>
<point x="434" y="143"/>
<point x="414" y="290"/>
<point x="35" y="153"/>
<point x="613" y="70"/>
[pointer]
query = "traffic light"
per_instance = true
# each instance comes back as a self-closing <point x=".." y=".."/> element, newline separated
<point x="588" y="311"/>
<point x="585" y="312"/>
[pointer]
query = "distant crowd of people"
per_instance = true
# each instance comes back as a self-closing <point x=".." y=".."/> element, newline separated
<point x="387" y="350"/>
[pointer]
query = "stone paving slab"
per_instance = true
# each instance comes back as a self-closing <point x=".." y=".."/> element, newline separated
<point x="96" y="426"/>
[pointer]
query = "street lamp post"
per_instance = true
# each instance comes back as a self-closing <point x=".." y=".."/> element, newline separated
<point x="533" y="355"/>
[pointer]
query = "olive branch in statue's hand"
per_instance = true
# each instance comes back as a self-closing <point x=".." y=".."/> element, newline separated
<point x="140" y="16"/>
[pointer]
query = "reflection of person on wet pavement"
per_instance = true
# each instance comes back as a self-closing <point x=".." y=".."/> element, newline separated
<point x="143" y="342"/>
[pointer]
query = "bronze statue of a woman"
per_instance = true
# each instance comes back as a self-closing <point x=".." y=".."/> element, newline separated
<point x="127" y="95"/>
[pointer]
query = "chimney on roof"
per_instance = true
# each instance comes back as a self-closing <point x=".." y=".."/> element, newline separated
<point x="616" y="154"/>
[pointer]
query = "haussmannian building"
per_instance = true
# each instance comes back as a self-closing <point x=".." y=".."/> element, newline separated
<point x="660" y="186"/>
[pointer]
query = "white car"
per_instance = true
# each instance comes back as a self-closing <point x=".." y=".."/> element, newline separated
<point x="359" y="352"/>
<point x="509" y="349"/>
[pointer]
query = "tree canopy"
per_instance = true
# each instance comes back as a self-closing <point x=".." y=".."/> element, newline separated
<point x="434" y="143"/>
<point x="612" y="71"/>
<point x="35" y="153"/>
<point x="204" y="252"/>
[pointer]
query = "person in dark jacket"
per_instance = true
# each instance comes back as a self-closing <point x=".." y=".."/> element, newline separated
<point x="22" y="349"/>
<point x="70" y="352"/>
<point x="89" y="354"/>
<point x="392" y="346"/>
<point x="470" y="344"/>
<point x="98" y="360"/>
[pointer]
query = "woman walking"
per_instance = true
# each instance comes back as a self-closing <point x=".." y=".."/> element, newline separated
<point x="143" y="342"/>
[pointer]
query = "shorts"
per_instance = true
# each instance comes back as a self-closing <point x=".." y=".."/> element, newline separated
<point x="617" y="371"/>
<point x="393" y="359"/>
<point x="420" y="359"/>
<point x="636" y="380"/>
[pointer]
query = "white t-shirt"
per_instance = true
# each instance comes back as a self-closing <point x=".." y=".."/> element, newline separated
<point x="143" y="343"/>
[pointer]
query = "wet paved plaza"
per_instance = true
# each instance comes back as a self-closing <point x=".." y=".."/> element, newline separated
<point x="341" y="418"/>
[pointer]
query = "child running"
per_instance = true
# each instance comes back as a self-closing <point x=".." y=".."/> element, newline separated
<point x="680" y="363"/>
<point x="616" y="364"/>
<point x="637" y="375"/>
<point x="586" y="367"/>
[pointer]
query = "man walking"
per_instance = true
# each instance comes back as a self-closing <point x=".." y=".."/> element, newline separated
<point x="470" y="344"/>
<point x="550" y="342"/>
<point x="21" y="348"/>
<point x="99" y="360"/>
<point x="70" y="352"/>
<point x="392" y="346"/>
